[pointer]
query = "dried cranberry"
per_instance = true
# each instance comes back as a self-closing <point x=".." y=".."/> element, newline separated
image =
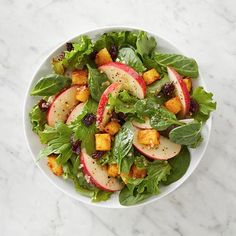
<point x="69" y="47"/>
<point x="168" y="90"/>
<point x="75" y="146"/>
<point x="43" y="105"/>
<point x="119" y="117"/>
<point x="93" y="55"/>
<point x="113" y="52"/>
<point x="89" y="119"/>
<point x="194" y="106"/>
<point x="98" y="154"/>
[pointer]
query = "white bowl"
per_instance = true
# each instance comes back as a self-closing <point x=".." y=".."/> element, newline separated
<point x="67" y="186"/>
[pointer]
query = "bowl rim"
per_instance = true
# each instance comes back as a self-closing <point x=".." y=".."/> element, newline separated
<point x="25" y="114"/>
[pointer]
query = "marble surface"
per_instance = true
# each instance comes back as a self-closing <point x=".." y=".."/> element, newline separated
<point x="204" y="205"/>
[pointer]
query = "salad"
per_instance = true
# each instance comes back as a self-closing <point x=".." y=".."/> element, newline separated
<point x="116" y="115"/>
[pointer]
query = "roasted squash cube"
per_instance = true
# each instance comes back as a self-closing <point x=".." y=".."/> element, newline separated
<point x="112" y="170"/>
<point x="188" y="83"/>
<point x="103" y="142"/>
<point x="138" y="172"/>
<point x="150" y="76"/>
<point x="148" y="137"/>
<point x="174" y="105"/>
<point x="82" y="94"/>
<point x="79" y="77"/>
<point x="54" y="166"/>
<point x="112" y="127"/>
<point x="103" y="57"/>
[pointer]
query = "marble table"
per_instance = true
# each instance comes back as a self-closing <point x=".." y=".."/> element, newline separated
<point x="204" y="205"/>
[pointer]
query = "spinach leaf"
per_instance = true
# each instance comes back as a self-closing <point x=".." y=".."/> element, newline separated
<point x="127" y="162"/>
<point x="149" y="62"/>
<point x="79" y="56"/>
<point x="58" y="140"/>
<point x="206" y="103"/>
<point x="156" y="87"/>
<point x="50" y="85"/>
<point x="188" y="134"/>
<point x="123" y="143"/>
<point x="37" y="119"/>
<point x="145" y="45"/>
<point x="129" y="57"/>
<point x="184" y="65"/>
<point x="98" y="82"/>
<point x="179" y="165"/>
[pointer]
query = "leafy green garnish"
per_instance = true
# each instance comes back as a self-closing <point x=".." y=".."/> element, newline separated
<point x="179" y="165"/>
<point x="129" y="57"/>
<point x="123" y="142"/>
<point x="127" y="162"/>
<point x="138" y="190"/>
<point x="156" y="87"/>
<point x="98" y="82"/>
<point x="58" y="142"/>
<point x="149" y="62"/>
<point x="50" y="85"/>
<point x="184" y="65"/>
<point x="206" y="103"/>
<point x="189" y="134"/>
<point x="79" y="56"/>
<point x="37" y="119"/>
<point x="145" y="45"/>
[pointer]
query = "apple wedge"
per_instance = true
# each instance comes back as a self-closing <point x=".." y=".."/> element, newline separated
<point x="132" y="81"/>
<point x="164" y="151"/>
<point x="76" y="112"/>
<point x="145" y="125"/>
<point x="62" y="105"/>
<point x="97" y="174"/>
<point x="104" y="111"/>
<point x="181" y="90"/>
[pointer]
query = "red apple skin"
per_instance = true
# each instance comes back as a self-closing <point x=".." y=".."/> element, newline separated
<point x="138" y="82"/>
<point x="51" y="113"/>
<point x="181" y="90"/>
<point x="112" y="184"/>
<point x="103" y="114"/>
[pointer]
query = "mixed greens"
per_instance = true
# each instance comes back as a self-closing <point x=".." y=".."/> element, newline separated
<point x="117" y="115"/>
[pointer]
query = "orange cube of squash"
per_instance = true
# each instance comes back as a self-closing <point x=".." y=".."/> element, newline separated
<point x="174" y="105"/>
<point x="188" y="83"/>
<point x="82" y="94"/>
<point x="52" y="164"/>
<point x="149" y="137"/>
<point x="103" y="57"/>
<point x="103" y="142"/>
<point x="138" y="172"/>
<point x="79" y="77"/>
<point x="112" y="127"/>
<point x="150" y="76"/>
<point x="112" y="170"/>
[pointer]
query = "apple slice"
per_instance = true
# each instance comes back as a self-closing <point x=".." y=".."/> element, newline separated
<point x="132" y="81"/>
<point x="76" y="112"/>
<point x="62" y="105"/>
<point x="181" y="90"/>
<point x="164" y="151"/>
<point x="97" y="174"/>
<point x="145" y="125"/>
<point x="103" y="111"/>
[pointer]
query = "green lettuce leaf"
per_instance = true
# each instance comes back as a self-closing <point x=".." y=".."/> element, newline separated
<point x="79" y="56"/>
<point x="206" y="103"/>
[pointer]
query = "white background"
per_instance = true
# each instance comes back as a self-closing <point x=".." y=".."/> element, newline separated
<point x="204" y="205"/>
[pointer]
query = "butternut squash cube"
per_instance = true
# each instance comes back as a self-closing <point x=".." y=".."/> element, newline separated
<point x="174" y="105"/>
<point x="150" y="76"/>
<point x="103" y="142"/>
<point x="112" y="127"/>
<point x="112" y="170"/>
<point x="103" y="57"/>
<point x="82" y="94"/>
<point x="53" y="165"/>
<point x="148" y="137"/>
<point x="79" y="77"/>
<point x="138" y="172"/>
<point x="188" y="83"/>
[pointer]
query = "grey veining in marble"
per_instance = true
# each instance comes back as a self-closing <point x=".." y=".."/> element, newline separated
<point x="204" y="205"/>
